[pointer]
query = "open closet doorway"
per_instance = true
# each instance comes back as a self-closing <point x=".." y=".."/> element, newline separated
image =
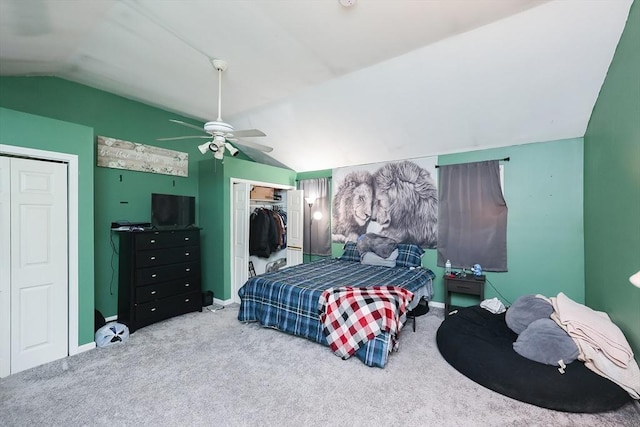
<point x="285" y="202"/>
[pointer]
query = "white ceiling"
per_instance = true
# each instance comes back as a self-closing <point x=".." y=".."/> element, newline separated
<point x="329" y="85"/>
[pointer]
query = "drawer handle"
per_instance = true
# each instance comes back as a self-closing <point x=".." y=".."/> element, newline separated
<point x="186" y="238"/>
<point x="187" y="300"/>
<point x="153" y="292"/>
<point x="187" y="269"/>
<point x="152" y="258"/>
<point x="154" y="275"/>
<point x="186" y="254"/>
<point x="152" y="241"/>
<point x="153" y="309"/>
<point x="186" y="285"/>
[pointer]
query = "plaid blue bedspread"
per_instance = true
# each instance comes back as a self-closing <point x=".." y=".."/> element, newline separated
<point x="288" y="299"/>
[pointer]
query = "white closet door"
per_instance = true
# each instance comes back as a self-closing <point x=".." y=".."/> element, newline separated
<point x="240" y="238"/>
<point x="5" y="277"/>
<point x="39" y="263"/>
<point x="294" y="227"/>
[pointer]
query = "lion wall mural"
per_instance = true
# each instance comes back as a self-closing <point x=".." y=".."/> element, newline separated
<point x="352" y="206"/>
<point x="398" y="200"/>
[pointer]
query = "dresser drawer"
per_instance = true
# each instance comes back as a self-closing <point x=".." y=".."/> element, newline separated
<point x="164" y="273"/>
<point x="168" y="307"/>
<point x="164" y="239"/>
<point x="156" y="291"/>
<point x="158" y="256"/>
<point x="464" y="287"/>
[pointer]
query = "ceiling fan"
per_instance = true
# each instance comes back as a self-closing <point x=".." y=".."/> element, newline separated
<point x="223" y="133"/>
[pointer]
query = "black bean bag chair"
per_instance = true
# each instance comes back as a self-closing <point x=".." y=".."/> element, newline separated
<point x="479" y="345"/>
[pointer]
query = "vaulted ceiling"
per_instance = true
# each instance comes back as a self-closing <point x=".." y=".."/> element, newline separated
<point x="333" y="85"/>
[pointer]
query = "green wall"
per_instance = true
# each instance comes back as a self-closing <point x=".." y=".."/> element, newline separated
<point x="545" y="240"/>
<point x="115" y="194"/>
<point x="26" y="130"/>
<point x="612" y="188"/>
<point x="215" y="214"/>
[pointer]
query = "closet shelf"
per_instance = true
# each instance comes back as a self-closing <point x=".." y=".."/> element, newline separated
<point x="265" y="200"/>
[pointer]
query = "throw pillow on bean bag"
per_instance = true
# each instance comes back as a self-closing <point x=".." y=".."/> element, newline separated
<point x="545" y="342"/>
<point x="525" y="310"/>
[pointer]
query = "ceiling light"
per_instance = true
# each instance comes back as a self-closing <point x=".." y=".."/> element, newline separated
<point x="219" y="154"/>
<point x="204" y="147"/>
<point x="347" y="3"/>
<point x="232" y="150"/>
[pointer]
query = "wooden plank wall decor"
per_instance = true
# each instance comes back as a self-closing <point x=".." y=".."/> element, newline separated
<point x="119" y="154"/>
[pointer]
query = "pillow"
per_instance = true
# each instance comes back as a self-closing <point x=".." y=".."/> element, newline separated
<point x="545" y="342"/>
<point x="525" y="310"/>
<point x="371" y="258"/>
<point x="350" y="252"/>
<point x="380" y="245"/>
<point x="409" y="255"/>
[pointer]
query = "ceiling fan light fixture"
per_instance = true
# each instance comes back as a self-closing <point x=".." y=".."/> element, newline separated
<point x="218" y="127"/>
<point x="219" y="154"/>
<point x="220" y="131"/>
<point x="204" y="147"/>
<point x="232" y="150"/>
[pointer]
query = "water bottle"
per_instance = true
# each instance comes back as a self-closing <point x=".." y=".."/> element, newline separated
<point x="447" y="268"/>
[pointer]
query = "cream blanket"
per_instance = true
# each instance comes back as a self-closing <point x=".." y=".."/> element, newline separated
<point x="602" y="345"/>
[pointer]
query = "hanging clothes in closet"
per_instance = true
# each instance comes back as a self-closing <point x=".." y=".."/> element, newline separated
<point x="267" y="231"/>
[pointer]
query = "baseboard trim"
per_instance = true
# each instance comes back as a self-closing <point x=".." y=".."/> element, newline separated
<point x="436" y="304"/>
<point x="222" y="302"/>
<point x="86" y="347"/>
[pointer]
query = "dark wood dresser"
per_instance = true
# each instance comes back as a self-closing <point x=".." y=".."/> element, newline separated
<point x="159" y="275"/>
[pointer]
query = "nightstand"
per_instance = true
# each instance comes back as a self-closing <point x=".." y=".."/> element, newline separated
<point x="470" y="285"/>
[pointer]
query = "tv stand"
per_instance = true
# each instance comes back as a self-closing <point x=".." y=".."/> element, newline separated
<point x="159" y="275"/>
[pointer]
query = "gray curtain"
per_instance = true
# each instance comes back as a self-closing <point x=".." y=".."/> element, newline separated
<point x="472" y="217"/>
<point x="317" y="232"/>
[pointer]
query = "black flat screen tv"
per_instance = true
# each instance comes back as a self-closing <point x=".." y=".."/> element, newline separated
<point x="168" y="210"/>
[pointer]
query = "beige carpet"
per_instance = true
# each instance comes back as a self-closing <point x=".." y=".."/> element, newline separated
<point x="209" y="369"/>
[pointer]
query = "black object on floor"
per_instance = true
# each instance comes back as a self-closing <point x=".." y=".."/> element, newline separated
<point x="207" y="298"/>
<point x="479" y="344"/>
<point x="419" y="310"/>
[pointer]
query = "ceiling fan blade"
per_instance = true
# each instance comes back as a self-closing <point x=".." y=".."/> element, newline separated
<point x="175" y="138"/>
<point x="180" y="122"/>
<point x="248" y="132"/>
<point x="255" y="146"/>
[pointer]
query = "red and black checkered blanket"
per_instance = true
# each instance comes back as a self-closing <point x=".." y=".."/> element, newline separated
<point x="352" y="316"/>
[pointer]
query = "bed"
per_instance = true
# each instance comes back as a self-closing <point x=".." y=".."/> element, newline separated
<point x="287" y="299"/>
